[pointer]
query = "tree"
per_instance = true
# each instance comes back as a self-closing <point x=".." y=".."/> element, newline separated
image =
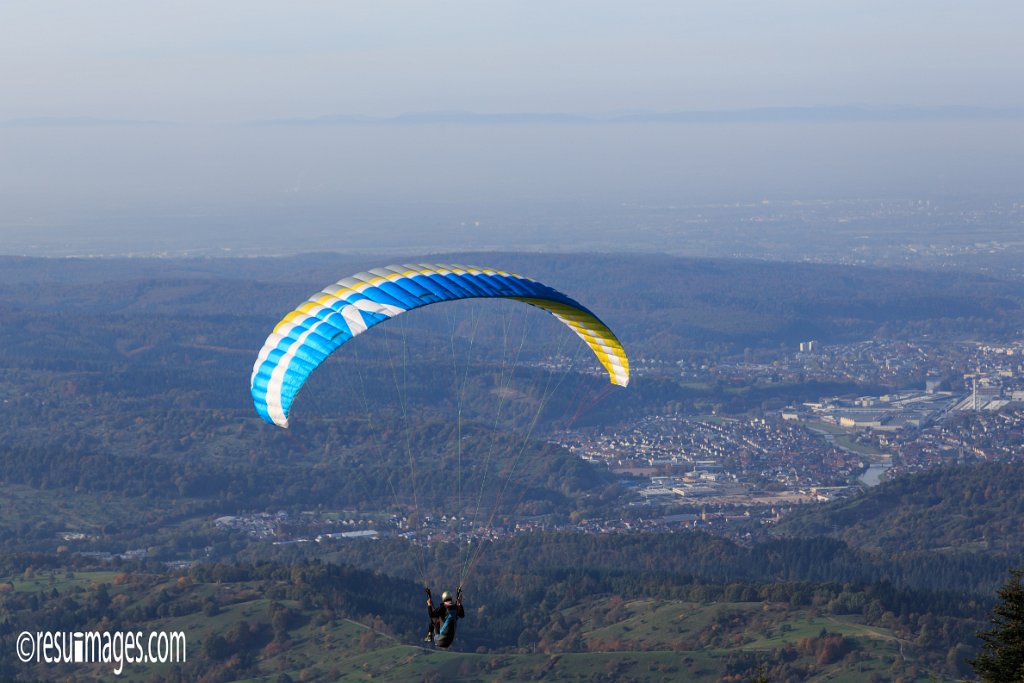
<point x="1001" y="657"/>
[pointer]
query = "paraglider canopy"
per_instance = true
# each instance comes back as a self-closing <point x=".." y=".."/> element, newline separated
<point x="306" y="336"/>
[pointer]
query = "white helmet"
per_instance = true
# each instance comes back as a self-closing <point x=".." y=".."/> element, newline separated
<point x="446" y="597"/>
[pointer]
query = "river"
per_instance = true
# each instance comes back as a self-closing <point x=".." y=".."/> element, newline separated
<point x="873" y="474"/>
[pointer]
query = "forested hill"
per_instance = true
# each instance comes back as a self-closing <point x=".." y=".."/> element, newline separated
<point x="683" y="303"/>
<point x="955" y="510"/>
<point x="661" y="306"/>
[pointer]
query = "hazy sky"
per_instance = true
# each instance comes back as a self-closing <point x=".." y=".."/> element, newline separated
<point x="212" y="71"/>
<point x="191" y="60"/>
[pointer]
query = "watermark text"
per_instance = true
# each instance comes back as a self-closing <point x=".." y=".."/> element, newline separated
<point x="117" y="648"/>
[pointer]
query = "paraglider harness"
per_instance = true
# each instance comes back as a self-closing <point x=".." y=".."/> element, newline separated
<point x="443" y="619"/>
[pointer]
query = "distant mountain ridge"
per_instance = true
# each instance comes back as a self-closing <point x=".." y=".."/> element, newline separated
<point x="822" y="114"/>
<point x="794" y="114"/>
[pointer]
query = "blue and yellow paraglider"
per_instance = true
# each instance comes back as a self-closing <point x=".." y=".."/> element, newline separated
<point x="328" y="319"/>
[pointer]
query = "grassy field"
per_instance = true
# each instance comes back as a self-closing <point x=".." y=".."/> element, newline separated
<point x="642" y="640"/>
<point x="26" y="510"/>
<point x="843" y="438"/>
<point x="846" y="441"/>
<point x="62" y="581"/>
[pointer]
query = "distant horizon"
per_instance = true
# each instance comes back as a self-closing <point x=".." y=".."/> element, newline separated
<point x="841" y="113"/>
<point x="253" y="126"/>
<point x="946" y="234"/>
